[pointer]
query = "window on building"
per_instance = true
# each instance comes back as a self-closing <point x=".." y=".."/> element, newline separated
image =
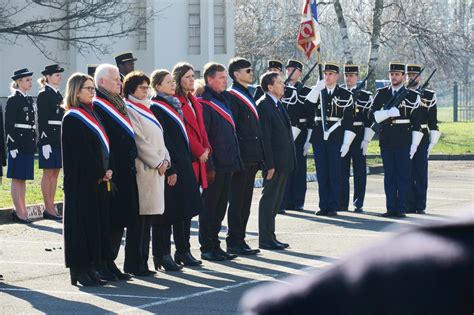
<point x="194" y="27"/>
<point x="219" y="27"/>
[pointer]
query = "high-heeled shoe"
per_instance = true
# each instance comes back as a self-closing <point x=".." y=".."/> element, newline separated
<point x="49" y="216"/>
<point x="82" y="276"/>
<point x="187" y="259"/>
<point x="166" y="262"/>
<point x="17" y="219"/>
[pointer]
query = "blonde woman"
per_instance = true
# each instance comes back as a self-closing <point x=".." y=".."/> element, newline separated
<point x="86" y="181"/>
<point x="50" y="115"/>
<point x="21" y="140"/>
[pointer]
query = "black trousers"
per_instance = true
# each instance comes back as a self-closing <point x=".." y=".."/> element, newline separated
<point x="161" y="238"/>
<point x="215" y="199"/>
<point x="269" y="205"/>
<point x="138" y="245"/>
<point x="240" y="201"/>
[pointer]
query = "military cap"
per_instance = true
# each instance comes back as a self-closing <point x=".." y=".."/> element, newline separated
<point x="124" y="57"/>
<point x="48" y="70"/>
<point x="275" y="64"/>
<point x="294" y="64"/>
<point x="413" y="68"/>
<point x="18" y="74"/>
<point x="396" y="67"/>
<point x="350" y="68"/>
<point x="331" y="67"/>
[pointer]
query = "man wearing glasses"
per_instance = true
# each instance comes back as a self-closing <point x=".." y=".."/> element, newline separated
<point x="244" y="111"/>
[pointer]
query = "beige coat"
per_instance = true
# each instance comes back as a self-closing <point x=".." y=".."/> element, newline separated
<point x="151" y="153"/>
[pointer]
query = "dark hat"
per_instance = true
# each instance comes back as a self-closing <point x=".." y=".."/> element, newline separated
<point x="18" y="74"/>
<point x="331" y="67"/>
<point x="236" y="64"/>
<point x="275" y="64"/>
<point x="396" y="67"/>
<point x="124" y="57"/>
<point x="294" y="64"/>
<point x="351" y="69"/>
<point x="91" y="70"/>
<point x="48" y="70"/>
<point x="413" y="68"/>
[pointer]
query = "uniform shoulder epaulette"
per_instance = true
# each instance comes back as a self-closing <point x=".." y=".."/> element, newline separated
<point x="366" y="92"/>
<point x="344" y="92"/>
<point x="383" y="88"/>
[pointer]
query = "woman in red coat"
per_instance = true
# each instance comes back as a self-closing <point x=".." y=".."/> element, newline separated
<point x="183" y="74"/>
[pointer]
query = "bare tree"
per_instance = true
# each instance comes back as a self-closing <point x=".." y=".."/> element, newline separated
<point x="375" y="41"/>
<point x="344" y="31"/>
<point x="76" y="23"/>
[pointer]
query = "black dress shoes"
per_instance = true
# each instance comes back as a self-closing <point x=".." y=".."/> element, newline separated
<point x="212" y="256"/>
<point x="186" y="259"/>
<point x="112" y="267"/>
<point x="241" y="250"/>
<point x="226" y="256"/>
<point x="82" y="276"/>
<point x="359" y="210"/>
<point x="143" y="273"/>
<point x="17" y="219"/>
<point x="421" y="211"/>
<point x="394" y="214"/>
<point x="281" y="211"/>
<point x="329" y="213"/>
<point x="285" y="245"/>
<point x="166" y="262"/>
<point x="49" y="216"/>
<point x="271" y="245"/>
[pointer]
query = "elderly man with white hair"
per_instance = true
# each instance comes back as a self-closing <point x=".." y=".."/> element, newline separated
<point x="111" y="108"/>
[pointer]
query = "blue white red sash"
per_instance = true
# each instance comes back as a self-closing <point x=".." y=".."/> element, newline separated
<point x="121" y="119"/>
<point x="221" y="109"/>
<point x="171" y="112"/>
<point x="246" y="99"/>
<point x="144" y="111"/>
<point x="92" y="124"/>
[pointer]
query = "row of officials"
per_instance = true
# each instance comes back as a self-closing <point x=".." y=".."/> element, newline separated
<point x="151" y="164"/>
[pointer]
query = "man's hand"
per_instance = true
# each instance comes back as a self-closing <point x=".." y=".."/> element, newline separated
<point x="108" y="176"/>
<point x="162" y="169"/>
<point x="172" y="179"/>
<point x="203" y="158"/>
<point x="270" y="173"/>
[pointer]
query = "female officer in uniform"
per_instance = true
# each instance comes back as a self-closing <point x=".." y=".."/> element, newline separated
<point x="21" y="140"/>
<point x="50" y="115"/>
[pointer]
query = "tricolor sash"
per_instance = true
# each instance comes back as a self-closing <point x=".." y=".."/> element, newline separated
<point x="171" y="112"/>
<point x="92" y="124"/>
<point x="246" y="99"/>
<point x="121" y="119"/>
<point x="221" y="109"/>
<point x="144" y="111"/>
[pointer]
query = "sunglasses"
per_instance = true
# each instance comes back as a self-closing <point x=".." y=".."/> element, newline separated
<point x="248" y="70"/>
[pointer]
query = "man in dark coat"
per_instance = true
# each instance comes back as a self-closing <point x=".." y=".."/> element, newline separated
<point x="428" y="270"/>
<point x="279" y="157"/>
<point x="223" y="162"/>
<point x="125" y="63"/>
<point x="124" y="205"/>
<point x="247" y="123"/>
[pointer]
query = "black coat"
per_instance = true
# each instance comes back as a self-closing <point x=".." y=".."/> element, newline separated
<point x="294" y="102"/>
<point x="183" y="200"/>
<point x="429" y="270"/>
<point x="277" y="137"/>
<point x="49" y="113"/>
<point x="338" y="105"/>
<point x="225" y="156"/>
<point x="20" y="109"/>
<point x="362" y="103"/>
<point x="247" y="126"/>
<point x="124" y="209"/>
<point x="84" y="163"/>
<point x="428" y="113"/>
<point x="3" y="153"/>
<point x="396" y="135"/>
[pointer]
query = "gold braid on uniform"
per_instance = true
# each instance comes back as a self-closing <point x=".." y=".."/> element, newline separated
<point x="115" y="99"/>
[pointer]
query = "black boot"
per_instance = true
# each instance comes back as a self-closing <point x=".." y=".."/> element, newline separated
<point x="166" y="262"/>
<point x="186" y="259"/>
<point x="112" y="267"/>
<point x="95" y="275"/>
<point x="82" y="276"/>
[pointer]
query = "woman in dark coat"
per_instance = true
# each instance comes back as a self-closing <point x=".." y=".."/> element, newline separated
<point x="182" y="197"/>
<point x="86" y="181"/>
<point x="50" y="114"/>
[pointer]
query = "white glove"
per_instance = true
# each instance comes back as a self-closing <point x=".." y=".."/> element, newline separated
<point x="416" y="137"/>
<point x="346" y="144"/>
<point x="46" y="151"/>
<point x="313" y="96"/>
<point x="13" y="153"/>
<point x="434" y="138"/>
<point x="394" y="112"/>
<point x="368" y="135"/>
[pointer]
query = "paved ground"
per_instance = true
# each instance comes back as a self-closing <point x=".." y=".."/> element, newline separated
<point x="35" y="280"/>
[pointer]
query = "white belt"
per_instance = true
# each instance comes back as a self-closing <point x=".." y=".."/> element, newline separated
<point x="327" y="118"/>
<point x="54" y="122"/>
<point x="358" y="123"/>
<point x="24" y="126"/>
<point x="302" y="120"/>
<point x="424" y="126"/>
<point x="400" y="121"/>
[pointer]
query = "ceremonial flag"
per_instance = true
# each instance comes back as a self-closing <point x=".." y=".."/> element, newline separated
<point x="309" y="37"/>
